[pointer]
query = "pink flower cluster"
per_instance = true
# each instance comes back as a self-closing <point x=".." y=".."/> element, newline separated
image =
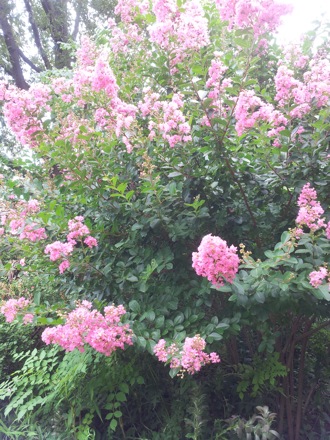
<point x="316" y="277"/>
<point x="83" y="326"/>
<point x="264" y="16"/>
<point x="215" y="260"/>
<point x="12" y="307"/>
<point x="23" y="111"/>
<point x="129" y="9"/>
<point x="310" y="210"/>
<point x="293" y="55"/>
<point x="191" y="358"/>
<point x="19" y="221"/>
<point x="126" y="39"/>
<point x="167" y="118"/>
<point x="302" y="95"/>
<point x="59" y="250"/>
<point x="179" y="30"/>
<point x="33" y="233"/>
<point x="250" y="109"/>
<point x="217" y="85"/>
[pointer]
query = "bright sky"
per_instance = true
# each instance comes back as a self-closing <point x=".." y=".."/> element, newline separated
<point x="300" y="21"/>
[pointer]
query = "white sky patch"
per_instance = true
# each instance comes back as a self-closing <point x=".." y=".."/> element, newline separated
<point x="301" y="19"/>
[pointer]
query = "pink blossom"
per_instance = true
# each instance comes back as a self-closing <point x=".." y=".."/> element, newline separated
<point x="90" y="241"/>
<point x="250" y="109"/>
<point x="167" y="118"/>
<point x="16" y="225"/>
<point x="23" y="110"/>
<point x="215" y="260"/>
<point x="86" y="53"/>
<point x="191" y="358"/>
<point x="310" y="210"/>
<point x="129" y="9"/>
<point x="83" y="326"/>
<point x="33" y="233"/>
<point x="64" y="266"/>
<point x="316" y="277"/>
<point x="28" y="318"/>
<point x="12" y="307"/>
<point x="58" y="250"/>
<point x="77" y="229"/>
<point x="264" y="16"/>
<point x="32" y="206"/>
<point x="179" y="31"/>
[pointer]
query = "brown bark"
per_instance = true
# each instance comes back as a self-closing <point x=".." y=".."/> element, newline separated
<point x="57" y="14"/>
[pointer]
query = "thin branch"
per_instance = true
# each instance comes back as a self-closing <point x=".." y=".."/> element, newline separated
<point x="76" y="22"/>
<point x="36" y="35"/>
<point x="312" y="332"/>
<point x="29" y="62"/>
<point x="246" y="202"/>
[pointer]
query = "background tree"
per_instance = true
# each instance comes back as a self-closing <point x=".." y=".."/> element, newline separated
<point x="38" y="35"/>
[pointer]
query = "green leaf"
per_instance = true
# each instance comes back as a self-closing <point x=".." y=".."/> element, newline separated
<point x="134" y="306"/>
<point x="121" y="397"/>
<point x="113" y="424"/>
<point x="174" y="174"/>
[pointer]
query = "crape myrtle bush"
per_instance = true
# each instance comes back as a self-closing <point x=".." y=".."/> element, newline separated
<point x="183" y="143"/>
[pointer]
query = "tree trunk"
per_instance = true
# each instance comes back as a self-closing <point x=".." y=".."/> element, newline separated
<point x="14" y="54"/>
<point x="57" y="13"/>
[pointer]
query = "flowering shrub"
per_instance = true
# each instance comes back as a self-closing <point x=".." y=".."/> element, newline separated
<point x="179" y="119"/>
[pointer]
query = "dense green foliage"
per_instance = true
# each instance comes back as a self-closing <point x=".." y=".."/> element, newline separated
<point x="149" y="210"/>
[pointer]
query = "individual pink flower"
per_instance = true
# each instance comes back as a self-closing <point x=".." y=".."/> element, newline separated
<point x="317" y="276"/>
<point x="90" y="241"/>
<point x="28" y="318"/>
<point x="64" y="266"/>
<point x="215" y="260"/>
